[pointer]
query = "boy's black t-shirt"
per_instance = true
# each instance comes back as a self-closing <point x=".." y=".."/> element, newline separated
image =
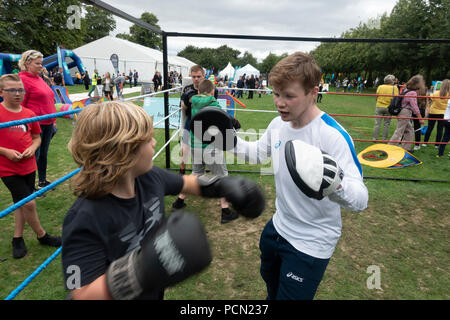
<point x="97" y="232"/>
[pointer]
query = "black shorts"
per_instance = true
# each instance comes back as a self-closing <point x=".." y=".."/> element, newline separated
<point x="20" y="186"/>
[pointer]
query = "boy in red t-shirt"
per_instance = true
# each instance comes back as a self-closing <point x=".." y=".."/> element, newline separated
<point x="17" y="162"/>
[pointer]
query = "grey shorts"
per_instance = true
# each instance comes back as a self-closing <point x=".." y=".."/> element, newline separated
<point x="213" y="159"/>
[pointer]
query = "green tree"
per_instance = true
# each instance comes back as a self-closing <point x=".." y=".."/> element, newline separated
<point x="97" y="23"/>
<point x="247" y="58"/>
<point x="209" y="58"/>
<point x="36" y="24"/>
<point x="411" y="19"/>
<point x="270" y="61"/>
<point x="143" y="36"/>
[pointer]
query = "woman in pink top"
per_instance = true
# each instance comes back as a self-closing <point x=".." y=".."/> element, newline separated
<point x="405" y="130"/>
<point x="39" y="98"/>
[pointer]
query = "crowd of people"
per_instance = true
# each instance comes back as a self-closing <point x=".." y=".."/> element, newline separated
<point x="348" y="84"/>
<point x="107" y="84"/>
<point x="131" y="250"/>
<point x="174" y="78"/>
<point x="418" y="102"/>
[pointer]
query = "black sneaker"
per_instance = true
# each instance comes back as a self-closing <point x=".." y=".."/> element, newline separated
<point x="19" y="248"/>
<point x="228" y="215"/>
<point x="49" y="240"/>
<point x="41" y="195"/>
<point x="178" y="204"/>
<point x="43" y="184"/>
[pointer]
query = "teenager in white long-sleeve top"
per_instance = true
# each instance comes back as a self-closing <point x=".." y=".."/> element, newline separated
<point x="299" y="240"/>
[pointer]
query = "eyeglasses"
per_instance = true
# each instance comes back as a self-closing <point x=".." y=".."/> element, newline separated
<point x="13" y="91"/>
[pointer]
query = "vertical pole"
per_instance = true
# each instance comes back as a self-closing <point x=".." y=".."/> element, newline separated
<point x="166" y="97"/>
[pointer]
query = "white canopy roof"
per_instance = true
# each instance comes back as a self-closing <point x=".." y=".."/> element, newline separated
<point x="96" y="55"/>
<point x="227" y="71"/>
<point x="248" y="70"/>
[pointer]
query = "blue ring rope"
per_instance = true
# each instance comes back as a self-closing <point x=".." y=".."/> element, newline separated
<point x="37" y="193"/>
<point x="10" y="209"/>
<point x="16" y="291"/>
<point x="39" y="118"/>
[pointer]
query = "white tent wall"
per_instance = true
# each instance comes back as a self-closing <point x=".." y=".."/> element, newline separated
<point x="96" y="55"/>
<point x="145" y="69"/>
<point x="248" y="70"/>
<point x="227" y="71"/>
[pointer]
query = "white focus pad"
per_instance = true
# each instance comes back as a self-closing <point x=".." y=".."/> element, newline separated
<point x="315" y="172"/>
<point x="309" y="163"/>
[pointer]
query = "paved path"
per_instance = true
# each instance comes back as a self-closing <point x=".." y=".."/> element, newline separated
<point x="80" y="96"/>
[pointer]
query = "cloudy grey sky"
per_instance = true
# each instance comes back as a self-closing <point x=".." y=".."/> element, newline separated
<point x="300" y="18"/>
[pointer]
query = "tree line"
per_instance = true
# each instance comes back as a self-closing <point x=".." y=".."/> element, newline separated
<point x="43" y="24"/>
<point x="411" y="19"/>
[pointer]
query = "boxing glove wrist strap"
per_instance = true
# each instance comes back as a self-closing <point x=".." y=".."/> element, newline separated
<point x="121" y="278"/>
<point x="208" y="186"/>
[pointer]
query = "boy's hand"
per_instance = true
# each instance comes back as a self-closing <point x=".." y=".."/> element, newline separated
<point x="13" y="155"/>
<point x="29" y="152"/>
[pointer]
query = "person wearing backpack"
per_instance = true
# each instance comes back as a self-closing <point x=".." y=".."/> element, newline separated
<point x="388" y="88"/>
<point x="404" y="130"/>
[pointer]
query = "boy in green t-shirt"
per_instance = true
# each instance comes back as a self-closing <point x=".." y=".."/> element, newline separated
<point x="204" y="155"/>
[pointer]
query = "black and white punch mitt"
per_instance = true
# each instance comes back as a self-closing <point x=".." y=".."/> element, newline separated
<point x="315" y="172"/>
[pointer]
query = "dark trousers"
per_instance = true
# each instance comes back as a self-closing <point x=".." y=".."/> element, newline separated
<point x="446" y="137"/>
<point x="440" y="127"/>
<point x="42" y="151"/>
<point x="250" y="94"/>
<point x="417" y="132"/>
<point x="289" y="274"/>
<point x="319" y="98"/>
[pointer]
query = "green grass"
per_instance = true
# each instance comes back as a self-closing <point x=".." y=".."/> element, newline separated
<point x="404" y="230"/>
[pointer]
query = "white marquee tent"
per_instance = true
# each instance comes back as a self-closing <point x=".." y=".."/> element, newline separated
<point x="96" y="55"/>
<point x="248" y="70"/>
<point x="227" y="71"/>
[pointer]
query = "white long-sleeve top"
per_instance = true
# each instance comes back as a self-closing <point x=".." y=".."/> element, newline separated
<point x="311" y="226"/>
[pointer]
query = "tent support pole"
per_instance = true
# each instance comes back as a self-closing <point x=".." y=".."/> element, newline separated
<point x="166" y="97"/>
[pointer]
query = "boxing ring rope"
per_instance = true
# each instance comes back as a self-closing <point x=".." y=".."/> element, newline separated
<point x="42" y="191"/>
<point x="341" y="93"/>
<point x="30" y="278"/>
<point x="165" y="35"/>
<point x="152" y="94"/>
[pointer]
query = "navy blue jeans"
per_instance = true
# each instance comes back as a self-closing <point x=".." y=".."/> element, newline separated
<point x="289" y="274"/>
<point x="42" y="151"/>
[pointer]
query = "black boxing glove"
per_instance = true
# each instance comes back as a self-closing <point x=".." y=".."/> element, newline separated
<point x="236" y="123"/>
<point x="244" y="195"/>
<point x="187" y="96"/>
<point x="177" y="250"/>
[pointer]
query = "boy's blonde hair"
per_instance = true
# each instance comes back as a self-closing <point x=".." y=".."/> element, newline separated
<point x="105" y="143"/>
<point x="9" y="77"/>
<point x="298" y="67"/>
<point x="205" y="86"/>
<point x="27" y="57"/>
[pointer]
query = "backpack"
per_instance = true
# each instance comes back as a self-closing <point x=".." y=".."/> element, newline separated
<point x="395" y="106"/>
